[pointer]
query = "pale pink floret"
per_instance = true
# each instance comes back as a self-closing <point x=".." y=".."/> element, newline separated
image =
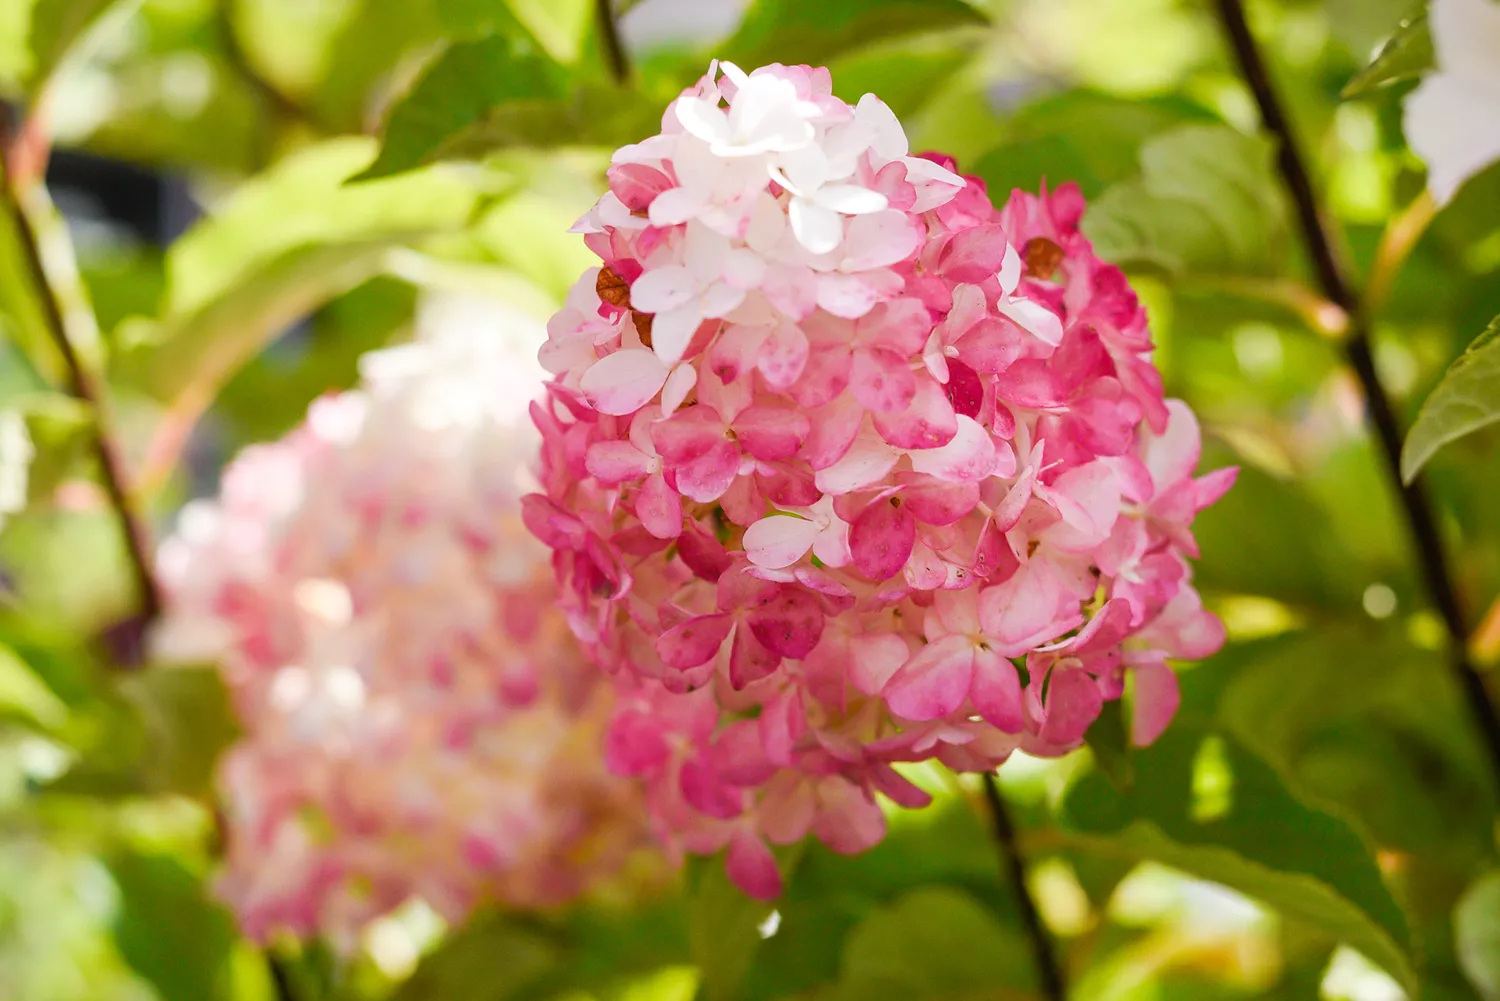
<point x="887" y="476"/>
<point x="417" y="720"/>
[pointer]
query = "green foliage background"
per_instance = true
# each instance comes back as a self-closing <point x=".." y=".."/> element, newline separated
<point x="1320" y="821"/>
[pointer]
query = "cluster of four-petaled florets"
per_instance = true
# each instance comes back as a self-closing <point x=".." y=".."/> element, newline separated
<point x="845" y="467"/>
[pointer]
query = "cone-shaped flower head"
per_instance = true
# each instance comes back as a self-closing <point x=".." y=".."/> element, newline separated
<point x="845" y="467"/>
<point x="418" y="721"/>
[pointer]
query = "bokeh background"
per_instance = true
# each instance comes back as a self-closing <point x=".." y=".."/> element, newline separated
<point x="1308" y="828"/>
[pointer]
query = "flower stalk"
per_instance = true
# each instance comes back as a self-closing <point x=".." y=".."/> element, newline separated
<point x="1334" y="279"/>
<point x="1049" y="973"/>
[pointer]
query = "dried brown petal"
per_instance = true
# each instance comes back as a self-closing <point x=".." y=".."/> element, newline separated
<point x="1042" y="257"/>
<point x="643" y="325"/>
<point x="612" y="289"/>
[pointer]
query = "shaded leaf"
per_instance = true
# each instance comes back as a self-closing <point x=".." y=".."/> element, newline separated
<point x="933" y="942"/>
<point x="1206" y="202"/>
<point x="1467" y="400"/>
<point x="794" y="31"/>
<point x="723" y="930"/>
<point x="1205" y="804"/>
<point x="492" y="958"/>
<point x="24" y="695"/>
<point x="1476" y="925"/>
<point x="189" y="721"/>
<point x="58" y="25"/>
<point x="1407" y="54"/>
<point x="559" y="25"/>
<point x="168" y="930"/>
<point x="500" y="84"/>
<point x="1111" y="745"/>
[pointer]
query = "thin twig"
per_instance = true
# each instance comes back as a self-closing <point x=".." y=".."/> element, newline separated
<point x="83" y="385"/>
<point x="1049" y="974"/>
<point x="609" y="35"/>
<point x="1333" y="276"/>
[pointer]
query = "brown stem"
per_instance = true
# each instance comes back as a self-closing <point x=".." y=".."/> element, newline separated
<point x="82" y="384"/>
<point x="1333" y="277"/>
<point x="1049" y="974"/>
<point x="609" y="35"/>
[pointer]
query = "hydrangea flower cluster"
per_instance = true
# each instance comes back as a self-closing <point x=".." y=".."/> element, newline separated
<point x="418" y="721"/>
<point x="844" y="467"/>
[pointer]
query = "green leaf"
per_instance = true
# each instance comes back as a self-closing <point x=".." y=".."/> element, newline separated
<point x="471" y="97"/>
<point x="57" y="26"/>
<point x="794" y="31"/>
<point x="1466" y="400"/>
<point x="23" y="314"/>
<point x="723" y="930"/>
<point x="1206" y="203"/>
<point x="1089" y="138"/>
<point x="1476" y="926"/>
<point x="24" y="695"/>
<point x="190" y="722"/>
<point x="934" y="942"/>
<point x="1203" y="803"/>
<point x="167" y="929"/>
<point x="1111" y="745"/>
<point x="1407" y="54"/>
<point x="559" y="25"/>
<point x="491" y="958"/>
<point x="234" y="282"/>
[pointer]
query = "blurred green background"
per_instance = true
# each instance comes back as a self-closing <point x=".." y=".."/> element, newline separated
<point x="1319" y="822"/>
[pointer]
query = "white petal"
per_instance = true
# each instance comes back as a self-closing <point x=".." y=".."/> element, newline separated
<point x="1010" y="269"/>
<point x="968" y="458"/>
<point x="719" y="300"/>
<point x="1034" y="318"/>
<point x="675" y="206"/>
<point x="679" y="384"/>
<point x="662" y="289"/>
<point x="1455" y="128"/>
<point x="1466" y="36"/>
<point x="866" y="462"/>
<point x="816" y="228"/>
<point x="850" y="199"/>
<point x="779" y="540"/>
<point x="672" y="331"/>
<point x="702" y="119"/>
<point x="888" y="138"/>
<point x="806" y="168"/>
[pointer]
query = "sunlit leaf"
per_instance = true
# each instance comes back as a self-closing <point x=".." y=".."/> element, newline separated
<point x="793" y="31"/>
<point x="502" y="83"/>
<point x="57" y="25"/>
<point x="24" y="695"/>
<point x="168" y="930"/>
<point x="1203" y="803"/>
<point x="1407" y="54"/>
<point x="1467" y="400"/>
<point x="188" y="722"/>
<point x="1476" y="926"/>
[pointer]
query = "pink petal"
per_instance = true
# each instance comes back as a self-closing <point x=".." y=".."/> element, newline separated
<point x="706" y="478"/>
<point x="1023" y="610"/>
<point x="679" y="384"/>
<point x="1156" y="700"/>
<point x="1030" y="383"/>
<point x="881" y="539"/>
<point x="706" y="792"/>
<point x="783" y="357"/>
<point x="1171" y="456"/>
<point x="1073" y="703"/>
<point x="635" y="743"/>
<point x="614" y="462"/>
<point x="779" y="540"/>
<point x="623" y="382"/>
<point x="900" y="327"/>
<point x="934" y="682"/>
<point x="831" y="430"/>
<point x="735" y="350"/>
<point x="873" y="659"/>
<point x="702" y="553"/>
<point x="881" y="381"/>
<point x="782" y="721"/>
<point x="934" y="502"/>
<point x="849" y="820"/>
<point x="789" y="624"/>
<point x="688" y="434"/>
<point x="1033" y="317"/>
<point x="968" y="458"/>
<point x="694" y="642"/>
<point x="996" y="691"/>
<point x="771" y="433"/>
<point x="898" y="789"/>
<point x="659" y="507"/>
<point x="739" y="757"/>
<point x="991" y="345"/>
<point x="973" y="255"/>
<point x="928" y="423"/>
<point x="1209" y="488"/>
<point x="749" y="661"/>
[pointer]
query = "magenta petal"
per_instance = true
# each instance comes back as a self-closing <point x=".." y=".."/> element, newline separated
<point x="973" y="255"/>
<point x="749" y="660"/>
<point x="688" y="434"/>
<point x="992" y="345"/>
<point x="882" y="381"/>
<point x="996" y="691"/>
<point x="1073" y="703"/>
<point x="881" y="539"/>
<point x="635" y="744"/>
<point x="934" y="682"/>
<point x="739" y="758"/>
<point x="771" y="433"/>
<point x="707" y="477"/>
<point x="703" y="554"/>
<point x="1156" y="700"/>
<point x="929" y="422"/>
<point x="789" y="623"/>
<point x="706" y="792"/>
<point x="659" y="507"/>
<point x="831" y="430"/>
<point x="752" y="867"/>
<point x="934" y="502"/>
<point x="693" y="642"/>
<point x="1030" y="383"/>
<point x="898" y="789"/>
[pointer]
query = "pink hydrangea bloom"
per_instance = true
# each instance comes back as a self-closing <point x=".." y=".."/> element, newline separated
<point x="844" y="467"/>
<point x="418" y="721"/>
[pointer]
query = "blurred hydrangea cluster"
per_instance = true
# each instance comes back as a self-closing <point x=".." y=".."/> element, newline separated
<point x="417" y="720"/>
<point x="845" y="467"/>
